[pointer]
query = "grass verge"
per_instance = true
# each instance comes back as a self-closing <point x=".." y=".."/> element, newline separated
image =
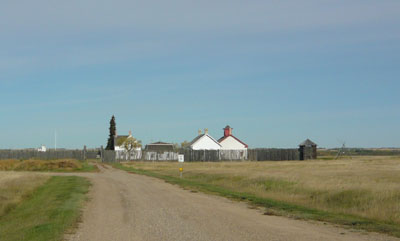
<point x="52" y="209"/>
<point x="17" y="187"/>
<point x="277" y="207"/>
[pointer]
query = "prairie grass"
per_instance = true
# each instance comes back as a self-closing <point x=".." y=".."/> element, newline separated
<point x="62" y="165"/>
<point x="16" y="187"/>
<point x="367" y="187"/>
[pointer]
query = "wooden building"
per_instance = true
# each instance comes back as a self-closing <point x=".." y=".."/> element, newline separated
<point x="160" y="147"/>
<point x="204" y="142"/>
<point x="307" y="150"/>
<point x="230" y="142"/>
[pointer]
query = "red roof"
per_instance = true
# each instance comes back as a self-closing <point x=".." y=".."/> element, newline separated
<point x="224" y="137"/>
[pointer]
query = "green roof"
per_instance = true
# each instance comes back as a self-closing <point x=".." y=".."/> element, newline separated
<point x="119" y="140"/>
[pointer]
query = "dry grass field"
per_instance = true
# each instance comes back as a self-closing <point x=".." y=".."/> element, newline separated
<point x="16" y="187"/>
<point x="366" y="186"/>
<point x="62" y="165"/>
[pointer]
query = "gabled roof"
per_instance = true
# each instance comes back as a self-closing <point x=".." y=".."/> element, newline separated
<point x="224" y="137"/>
<point x="197" y="138"/>
<point x="160" y="143"/>
<point x="119" y="140"/>
<point x="160" y="147"/>
<point x="307" y="142"/>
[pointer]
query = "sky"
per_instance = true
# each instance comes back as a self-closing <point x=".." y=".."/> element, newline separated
<point x="278" y="72"/>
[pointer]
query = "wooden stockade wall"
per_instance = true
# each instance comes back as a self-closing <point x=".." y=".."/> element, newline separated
<point x="119" y="156"/>
<point x="266" y="154"/>
<point x="204" y="155"/>
<point x="262" y="154"/>
<point x="25" y="154"/>
<point x="190" y="155"/>
<point x="214" y="155"/>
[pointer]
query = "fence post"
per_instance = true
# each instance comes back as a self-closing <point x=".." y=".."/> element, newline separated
<point x="84" y="152"/>
<point x="102" y="153"/>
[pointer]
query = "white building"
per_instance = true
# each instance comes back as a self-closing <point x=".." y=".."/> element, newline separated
<point x="119" y="142"/>
<point x="42" y="149"/>
<point x="121" y="152"/>
<point x="204" y="142"/>
<point x="230" y="142"/>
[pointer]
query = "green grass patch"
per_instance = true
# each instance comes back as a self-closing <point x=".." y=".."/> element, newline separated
<point x="280" y="207"/>
<point x="52" y="209"/>
<point x="87" y="167"/>
<point x="348" y="198"/>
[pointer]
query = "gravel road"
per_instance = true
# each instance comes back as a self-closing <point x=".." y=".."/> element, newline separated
<point x="126" y="206"/>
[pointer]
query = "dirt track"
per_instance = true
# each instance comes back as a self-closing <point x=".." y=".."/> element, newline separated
<point x="126" y="206"/>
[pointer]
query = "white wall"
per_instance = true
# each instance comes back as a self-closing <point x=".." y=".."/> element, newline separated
<point x="119" y="148"/>
<point x="205" y="143"/>
<point x="122" y="148"/>
<point x="231" y="143"/>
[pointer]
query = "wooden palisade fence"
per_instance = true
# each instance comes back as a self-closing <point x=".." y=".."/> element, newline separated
<point x="261" y="154"/>
<point x="204" y="155"/>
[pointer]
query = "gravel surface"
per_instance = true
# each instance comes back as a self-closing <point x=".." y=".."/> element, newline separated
<point x="126" y="206"/>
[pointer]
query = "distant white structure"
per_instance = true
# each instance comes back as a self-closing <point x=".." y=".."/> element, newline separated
<point x="204" y="142"/>
<point x="42" y="149"/>
<point x="231" y="147"/>
<point x="230" y="142"/>
<point x="121" y="153"/>
<point x="119" y="142"/>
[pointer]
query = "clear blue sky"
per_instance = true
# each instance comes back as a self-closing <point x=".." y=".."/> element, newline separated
<point x="278" y="72"/>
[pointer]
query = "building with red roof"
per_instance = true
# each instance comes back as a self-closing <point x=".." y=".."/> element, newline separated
<point x="230" y="142"/>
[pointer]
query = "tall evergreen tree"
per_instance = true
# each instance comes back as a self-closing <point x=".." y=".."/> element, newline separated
<point x="110" y="142"/>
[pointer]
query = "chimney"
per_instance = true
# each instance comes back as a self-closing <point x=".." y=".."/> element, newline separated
<point x="199" y="132"/>
<point x="206" y="131"/>
<point x="227" y="131"/>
